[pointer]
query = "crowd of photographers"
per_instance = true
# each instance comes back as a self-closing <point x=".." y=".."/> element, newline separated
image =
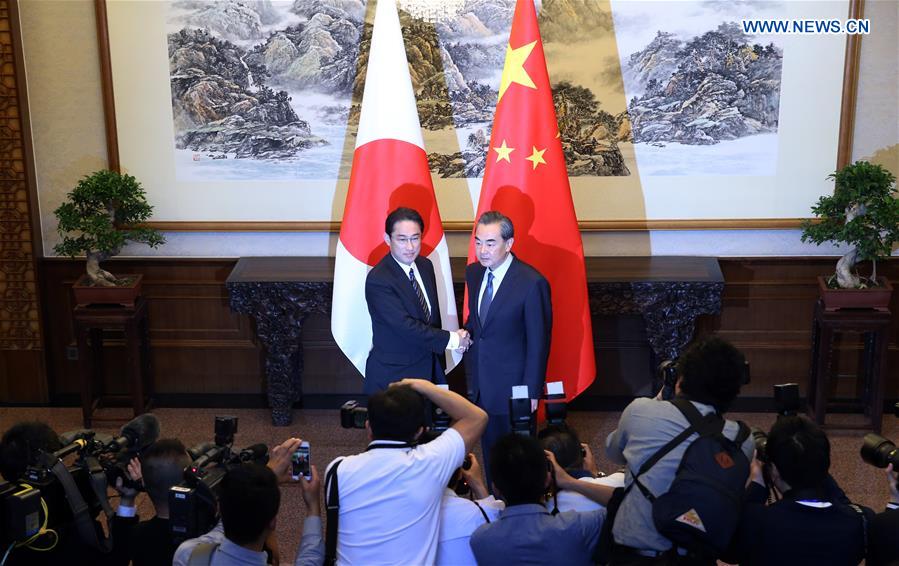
<point x="693" y="488"/>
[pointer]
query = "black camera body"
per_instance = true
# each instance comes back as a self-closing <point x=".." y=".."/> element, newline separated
<point x="352" y="415"/>
<point x="786" y="403"/>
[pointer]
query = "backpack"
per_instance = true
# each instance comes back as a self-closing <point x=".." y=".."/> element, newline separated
<point x="701" y="509"/>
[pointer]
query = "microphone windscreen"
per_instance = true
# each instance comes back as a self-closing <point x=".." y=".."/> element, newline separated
<point x="141" y="431"/>
<point x="200" y="449"/>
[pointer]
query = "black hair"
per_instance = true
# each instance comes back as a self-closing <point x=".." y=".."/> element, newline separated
<point x="506" y="228"/>
<point x="519" y="469"/>
<point x="711" y="372"/>
<point x="162" y="466"/>
<point x="801" y="452"/>
<point x="396" y="413"/>
<point x="400" y="214"/>
<point x="21" y="446"/>
<point x="249" y="500"/>
<point x="565" y="445"/>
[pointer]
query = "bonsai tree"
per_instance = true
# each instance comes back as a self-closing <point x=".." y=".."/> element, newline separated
<point x="862" y="213"/>
<point x="99" y="216"/>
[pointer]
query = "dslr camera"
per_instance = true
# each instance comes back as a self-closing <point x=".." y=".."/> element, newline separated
<point x="786" y="404"/>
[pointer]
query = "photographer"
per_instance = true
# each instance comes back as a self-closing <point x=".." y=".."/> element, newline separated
<point x="813" y="523"/>
<point x="709" y="376"/>
<point x="883" y="534"/>
<point x="526" y="531"/>
<point x="249" y="502"/>
<point x="577" y="460"/>
<point x="388" y="497"/>
<point x="21" y="447"/>
<point x="149" y="543"/>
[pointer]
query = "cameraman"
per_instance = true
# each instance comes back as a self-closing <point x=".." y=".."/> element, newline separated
<point x="883" y="535"/>
<point x="249" y="500"/>
<point x="813" y="523"/>
<point x="149" y="543"/>
<point x="389" y="496"/>
<point x="577" y="460"/>
<point x="21" y="447"/>
<point x="709" y="376"/>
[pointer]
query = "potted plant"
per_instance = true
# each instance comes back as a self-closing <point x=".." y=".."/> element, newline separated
<point x="98" y="217"/>
<point x="863" y="214"/>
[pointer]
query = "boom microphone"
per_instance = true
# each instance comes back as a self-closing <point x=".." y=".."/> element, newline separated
<point x="140" y="432"/>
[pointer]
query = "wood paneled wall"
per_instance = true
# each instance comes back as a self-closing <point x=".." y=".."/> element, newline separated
<point x="201" y="349"/>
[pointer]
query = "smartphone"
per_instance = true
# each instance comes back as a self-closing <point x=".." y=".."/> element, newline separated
<point x="300" y="462"/>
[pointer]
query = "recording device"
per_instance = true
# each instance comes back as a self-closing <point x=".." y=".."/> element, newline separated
<point x="299" y="461"/>
<point x="667" y="374"/>
<point x="51" y="493"/>
<point x="352" y="415"/>
<point x="556" y="408"/>
<point x="879" y="452"/>
<point x="193" y="506"/>
<point x="786" y="404"/>
<point x="520" y="414"/>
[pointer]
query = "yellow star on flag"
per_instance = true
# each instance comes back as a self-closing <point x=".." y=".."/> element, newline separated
<point x="502" y="152"/>
<point x="513" y="71"/>
<point x="537" y="157"/>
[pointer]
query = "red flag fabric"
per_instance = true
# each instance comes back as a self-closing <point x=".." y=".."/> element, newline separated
<point x="526" y="179"/>
<point x="390" y="169"/>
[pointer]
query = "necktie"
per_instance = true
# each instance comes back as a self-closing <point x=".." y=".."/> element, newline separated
<point x="419" y="294"/>
<point x="487" y="298"/>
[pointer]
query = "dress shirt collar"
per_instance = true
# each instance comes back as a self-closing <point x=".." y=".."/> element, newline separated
<point x="502" y="268"/>
<point x="242" y="555"/>
<point x="403" y="266"/>
<point x="525" y="509"/>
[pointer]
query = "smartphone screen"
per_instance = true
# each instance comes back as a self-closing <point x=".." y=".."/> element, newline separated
<point x="300" y="462"/>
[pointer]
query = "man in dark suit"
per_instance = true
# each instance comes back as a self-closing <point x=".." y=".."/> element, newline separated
<point x="401" y="291"/>
<point x="510" y="323"/>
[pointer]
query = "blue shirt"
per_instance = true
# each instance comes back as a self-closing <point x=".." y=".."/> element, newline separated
<point x="529" y="534"/>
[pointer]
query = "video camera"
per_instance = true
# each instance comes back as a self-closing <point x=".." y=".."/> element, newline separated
<point x="193" y="507"/>
<point x="786" y="404"/>
<point x="51" y="493"/>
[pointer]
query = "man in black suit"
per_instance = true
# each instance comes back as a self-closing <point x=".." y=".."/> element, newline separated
<point x="510" y="323"/>
<point x="401" y="291"/>
<point x="883" y="535"/>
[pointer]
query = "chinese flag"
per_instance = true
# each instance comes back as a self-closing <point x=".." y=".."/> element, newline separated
<point x="526" y="179"/>
<point x="390" y="169"/>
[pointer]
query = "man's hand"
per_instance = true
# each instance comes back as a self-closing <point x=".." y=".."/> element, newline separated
<point x="589" y="460"/>
<point x="128" y="494"/>
<point x="892" y="478"/>
<point x="311" y="492"/>
<point x="474" y="477"/>
<point x="279" y="459"/>
<point x="563" y="479"/>
<point x="464" y="340"/>
<point x="756" y="471"/>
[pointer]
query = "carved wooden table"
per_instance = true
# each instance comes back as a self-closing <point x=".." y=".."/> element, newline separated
<point x="90" y="324"/>
<point x="279" y="292"/>
<point x="873" y="325"/>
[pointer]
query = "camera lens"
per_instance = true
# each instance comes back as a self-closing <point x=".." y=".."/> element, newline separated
<point x="761" y="444"/>
<point x="879" y="451"/>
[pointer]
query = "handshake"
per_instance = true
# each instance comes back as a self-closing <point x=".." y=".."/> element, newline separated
<point x="464" y="340"/>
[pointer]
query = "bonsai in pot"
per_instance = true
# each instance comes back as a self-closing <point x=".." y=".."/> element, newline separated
<point x="863" y="214"/>
<point x="98" y="217"/>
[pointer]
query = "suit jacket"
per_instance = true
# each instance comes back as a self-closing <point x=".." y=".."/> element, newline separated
<point x="404" y="342"/>
<point x="511" y="346"/>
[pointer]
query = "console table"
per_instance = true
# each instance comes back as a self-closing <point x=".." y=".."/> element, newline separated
<point x="280" y="292"/>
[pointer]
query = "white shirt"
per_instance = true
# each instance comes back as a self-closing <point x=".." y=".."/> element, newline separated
<point x="574" y="501"/>
<point x="453" y="342"/>
<point x="498" y="274"/>
<point x="459" y="517"/>
<point x="390" y="501"/>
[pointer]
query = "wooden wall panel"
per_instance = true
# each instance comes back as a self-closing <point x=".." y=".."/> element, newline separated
<point x="200" y="348"/>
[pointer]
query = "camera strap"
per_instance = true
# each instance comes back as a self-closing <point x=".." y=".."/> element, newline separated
<point x="332" y="513"/>
<point x="84" y="524"/>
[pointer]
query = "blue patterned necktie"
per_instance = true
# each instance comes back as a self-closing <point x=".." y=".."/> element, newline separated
<point x="419" y="294"/>
<point x="487" y="298"/>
